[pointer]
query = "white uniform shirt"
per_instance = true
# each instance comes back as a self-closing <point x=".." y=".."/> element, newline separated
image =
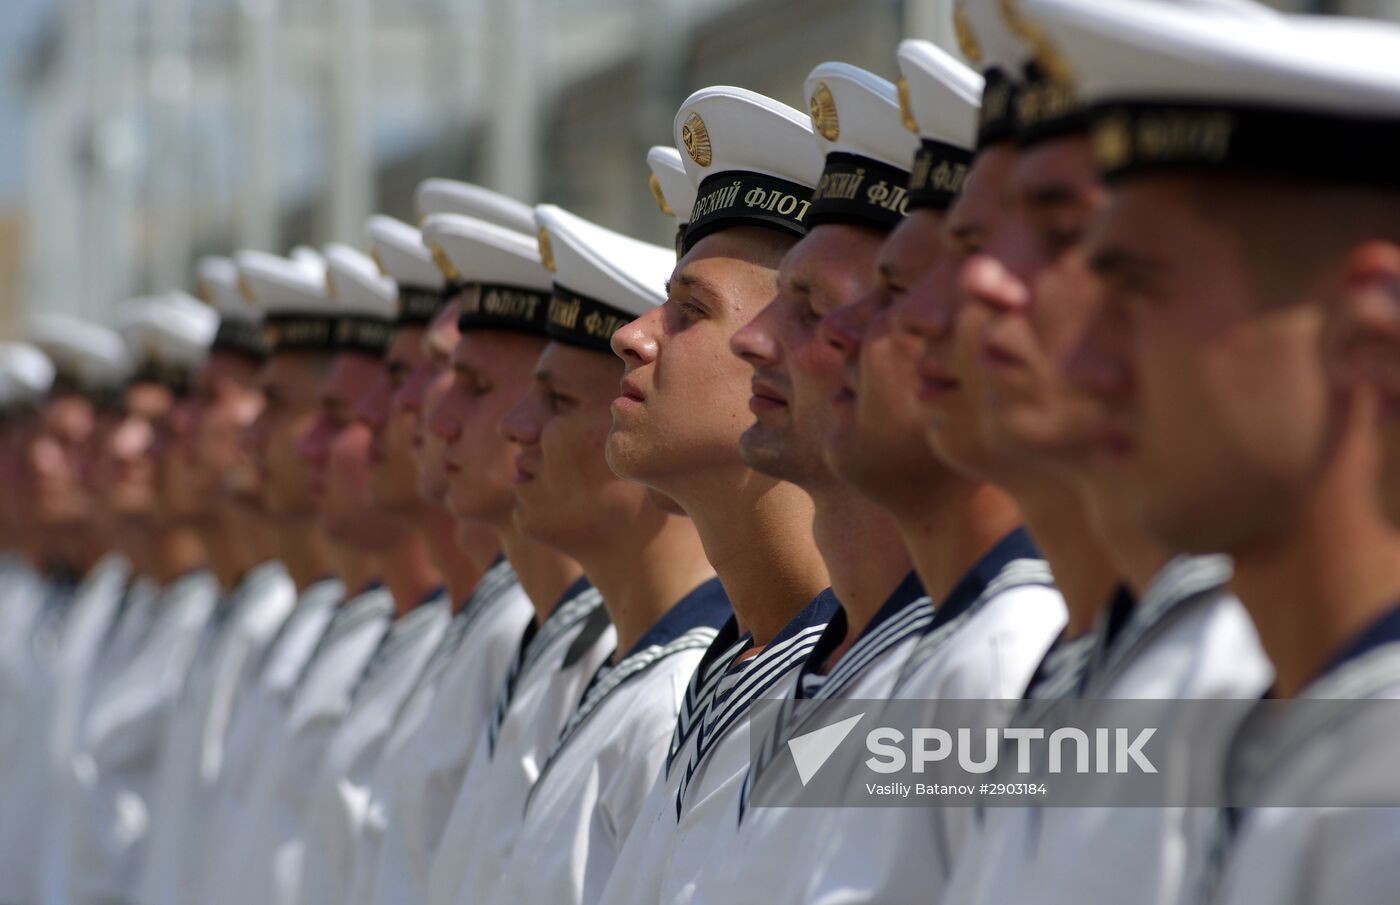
<point x="264" y="863"/>
<point x="1287" y="855"/>
<point x="60" y="645"/>
<point x="120" y="750"/>
<point x="759" y="838"/>
<point x="592" y="786"/>
<point x="986" y="640"/>
<point x="258" y="719"/>
<point x="340" y="793"/>
<point x="545" y="682"/>
<point x="1185" y="639"/>
<point x="233" y="643"/>
<point x="426" y="756"/>
<point x="695" y="794"/>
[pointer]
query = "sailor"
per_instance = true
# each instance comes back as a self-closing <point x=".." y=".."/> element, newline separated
<point x="648" y="563"/>
<point x="504" y="305"/>
<point x="1185" y="637"/>
<point x="258" y="594"/>
<point x="117" y="765"/>
<point x="26" y="376"/>
<point x="425" y="756"/>
<point x="264" y="859"/>
<point x="753" y="164"/>
<point x="797" y="391"/>
<point x="289" y="379"/>
<point x="671" y="188"/>
<point x="423" y="608"/>
<point x="1267" y="470"/>
<point x="995" y="608"/>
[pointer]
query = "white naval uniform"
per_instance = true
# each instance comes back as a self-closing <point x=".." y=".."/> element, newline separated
<point x="258" y="718"/>
<point x="987" y="637"/>
<point x="543" y="685"/>
<point x="21" y="600"/>
<point x="758" y="838"/>
<point x="263" y="863"/>
<point x="1324" y="855"/>
<point x="695" y="794"/>
<point x="119" y="753"/>
<point x="24" y="691"/>
<point x="232" y="645"/>
<point x="592" y="786"/>
<point x="1185" y="639"/>
<point x="340" y="787"/>
<point x="426" y="756"/>
<point x="67" y="638"/>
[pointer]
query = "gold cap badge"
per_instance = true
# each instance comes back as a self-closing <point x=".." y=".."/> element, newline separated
<point x="1044" y="51"/>
<point x="823" y="109"/>
<point x="444" y="263"/>
<point x="660" y="196"/>
<point x="967" y="38"/>
<point x="696" y="139"/>
<point x="546" y="250"/>
<point x="330" y="287"/>
<point x="246" y="291"/>
<point x="374" y="255"/>
<point x="906" y="109"/>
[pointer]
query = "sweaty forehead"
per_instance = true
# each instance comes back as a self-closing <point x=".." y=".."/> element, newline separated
<point x="1061" y="165"/>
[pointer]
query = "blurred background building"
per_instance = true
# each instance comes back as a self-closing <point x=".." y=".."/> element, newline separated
<point x="136" y="135"/>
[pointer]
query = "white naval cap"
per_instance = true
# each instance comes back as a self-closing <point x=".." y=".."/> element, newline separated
<point x="602" y="279"/>
<point x="240" y="321"/>
<point x="86" y="357"/>
<point x="366" y="300"/>
<point x="448" y="196"/>
<point x="26" y="374"/>
<point x="399" y="250"/>
<point x="859" y="130"/>
<point x="989" y="42"/>
<point x="1048" y="103"/>
<point x="1168" y="86"/>
<point x="167" y="337"/>
<point x="505" y="284"/>
<point x="938" y="99"/>
<point x="671" y="187"/>
<point x="291" y="292"/>
<point x="751" y="159"/>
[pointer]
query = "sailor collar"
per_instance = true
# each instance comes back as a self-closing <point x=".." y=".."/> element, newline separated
<point x="708" y="711"/>
<point x="579" y="602"/>
<point x="907" y="611"/>
<point x="405" y="631"/>
<point x="1014" y="561"/>
<point x="1129" y="624"/>
<point x="690" y="624"/>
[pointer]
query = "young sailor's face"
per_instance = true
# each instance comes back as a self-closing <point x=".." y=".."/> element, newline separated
<point x="290" y="384"/>
<point x="1363" y="350"/>
<point x="229" y="403"/>
<point x="128" y="454"/>
<point x="490" y="372"/>
<point x="796" y="387"/>
<point x="877" y="440"/>
<point x="338" y="448"/>
<point x="1229" y="420"/>
<point x="684" y="396"/>
<point x="52" y="461"/>
<point x="565" y="493"/>
<point x="936" y="310"/>
<point x="1040" y="295"/>
<point x="393" y="473"/>
<point x="438" y="343"/>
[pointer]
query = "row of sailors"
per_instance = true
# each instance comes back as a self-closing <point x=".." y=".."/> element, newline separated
<point x="951" y="389"/>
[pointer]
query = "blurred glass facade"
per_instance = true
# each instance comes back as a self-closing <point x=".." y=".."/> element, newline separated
<point x="152" y="131"/>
